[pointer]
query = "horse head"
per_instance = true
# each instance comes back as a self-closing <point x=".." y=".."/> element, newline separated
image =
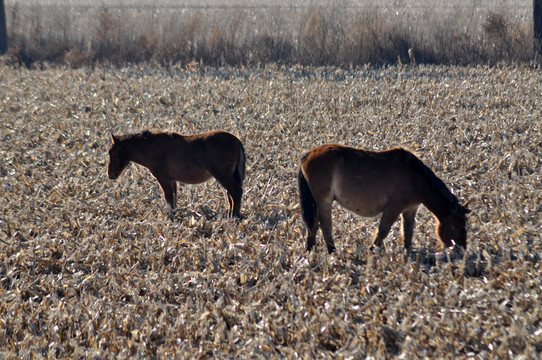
<point x="453" y="230"/>
<point x="118" y="160"/>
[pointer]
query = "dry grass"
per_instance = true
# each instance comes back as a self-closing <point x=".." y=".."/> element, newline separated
<point x="95" y="269"/>
<point x="318" y="33"/>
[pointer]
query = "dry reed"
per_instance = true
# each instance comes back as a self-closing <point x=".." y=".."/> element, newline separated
<point x="343" y="33"/>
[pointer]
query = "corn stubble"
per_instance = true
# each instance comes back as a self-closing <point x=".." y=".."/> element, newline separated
<point x="94" y="268"/>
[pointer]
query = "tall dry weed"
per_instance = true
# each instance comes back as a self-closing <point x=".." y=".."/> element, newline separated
<point x="334" y="34"/>
<point x="182" y="42"/>
<point x="107" y="41"/>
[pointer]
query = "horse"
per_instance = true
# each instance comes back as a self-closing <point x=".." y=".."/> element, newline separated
<point x="191" y="159"/>
<point x="368" y="183"/>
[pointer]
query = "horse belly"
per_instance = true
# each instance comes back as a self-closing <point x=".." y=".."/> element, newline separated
<point x="192" y="175"/>
<point x="361" y="199"/>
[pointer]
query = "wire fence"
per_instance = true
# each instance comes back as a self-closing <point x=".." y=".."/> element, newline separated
<point x="523" y="6"/>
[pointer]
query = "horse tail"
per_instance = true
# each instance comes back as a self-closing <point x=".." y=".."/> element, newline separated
<point x="309" y="211"/>
<point x="240" y="167"/>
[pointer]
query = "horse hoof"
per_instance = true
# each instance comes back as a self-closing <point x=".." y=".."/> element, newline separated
<point x="377" y="248"/>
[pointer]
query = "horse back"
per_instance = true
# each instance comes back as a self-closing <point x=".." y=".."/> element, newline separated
<point x="195" y="158"/>
<point x="215" y="144"/>
<point x="334" y="158"/>
<point x="362" y="181"/>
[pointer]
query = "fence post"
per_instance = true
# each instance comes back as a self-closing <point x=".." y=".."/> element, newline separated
<point x="537" y="19"/>
<point x="3" y="29"/>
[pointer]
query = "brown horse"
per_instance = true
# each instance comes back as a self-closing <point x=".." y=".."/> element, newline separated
<point x="191" y="159"/>
<point x="369" y="183"/>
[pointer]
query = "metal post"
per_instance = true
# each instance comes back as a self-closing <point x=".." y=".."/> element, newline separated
<point x="537" y="18"/>
<point x="3" y="29"/>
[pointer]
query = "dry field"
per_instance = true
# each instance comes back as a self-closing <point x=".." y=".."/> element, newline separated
<point x="91" y="268"/>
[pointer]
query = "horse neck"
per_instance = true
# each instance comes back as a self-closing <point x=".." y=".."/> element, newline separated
<point x="137" y="151"/>
<point x="437" y="198"/>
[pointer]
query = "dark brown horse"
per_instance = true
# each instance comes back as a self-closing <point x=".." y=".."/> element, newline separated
<point x="369" y="183"/>
<point x="190" y="159"/>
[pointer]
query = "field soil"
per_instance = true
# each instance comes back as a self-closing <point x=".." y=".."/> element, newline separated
<point x="94" y="268"/>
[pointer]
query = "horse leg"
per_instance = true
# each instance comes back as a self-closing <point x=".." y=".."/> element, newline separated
<point x="169" y="187"/>
<point x="235" y="193"/>
<point x="324" y="216"/>
<point x="387" y="220"/>
<point x="408" y="223"/>
<point x="230" y="204"/>
<point x="236" y="199"/>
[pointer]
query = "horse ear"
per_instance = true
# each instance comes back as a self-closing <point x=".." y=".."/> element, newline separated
<point x="114" y="138"/>
<point x="461" y="209"/>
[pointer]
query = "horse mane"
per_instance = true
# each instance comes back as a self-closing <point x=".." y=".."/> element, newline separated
<point x="145" y="135"/>
<point x="433" y="181"/>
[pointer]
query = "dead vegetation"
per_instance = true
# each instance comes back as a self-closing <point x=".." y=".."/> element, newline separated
<point x="96" y="269"/>
<point x="342" y="33"/>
